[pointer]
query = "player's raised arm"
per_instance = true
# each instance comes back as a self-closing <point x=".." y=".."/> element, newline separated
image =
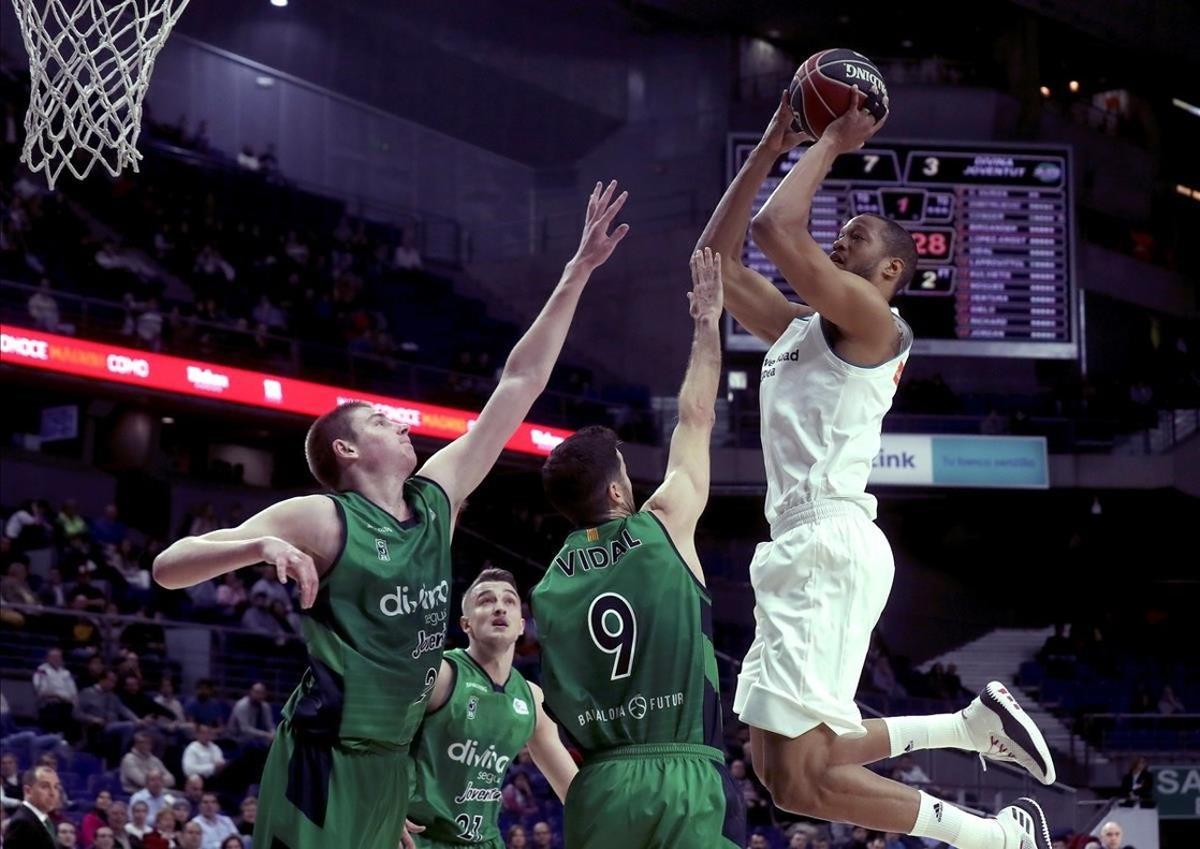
<point x="751" y="298"/>
<point x="299" y="537"/>
<point x="548" y="752"/>
<point x="462" y="465"/>
<point x="780" y="228"/>
<point x="681" y="497"/>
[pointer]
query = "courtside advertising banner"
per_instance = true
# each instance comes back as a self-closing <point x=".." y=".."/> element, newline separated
<point x="114" y="364"/>
<point x="1003" y="462"/>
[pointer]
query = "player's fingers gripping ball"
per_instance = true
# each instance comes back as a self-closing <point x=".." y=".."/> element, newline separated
<point x="822" y="89"/>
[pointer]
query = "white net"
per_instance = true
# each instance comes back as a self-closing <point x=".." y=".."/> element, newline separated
<point x="89" y="66"/>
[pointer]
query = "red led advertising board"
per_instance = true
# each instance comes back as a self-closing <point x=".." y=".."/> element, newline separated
<point x="114" y="364"/>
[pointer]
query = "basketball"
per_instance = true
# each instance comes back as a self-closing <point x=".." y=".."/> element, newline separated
<point x="821" y="89"/>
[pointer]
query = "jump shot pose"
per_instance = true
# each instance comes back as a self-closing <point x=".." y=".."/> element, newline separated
<point x="822" y="580"/>
<point x="372" y="560"/>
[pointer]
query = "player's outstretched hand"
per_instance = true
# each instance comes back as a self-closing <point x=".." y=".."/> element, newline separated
<point x="851" y="130"/>
<point x="707" y="298"/>
<point x="782" y="134"/>
<point x="597" y="244"/>
<point x="410" y="828"/>
<point x="291" y="562"/>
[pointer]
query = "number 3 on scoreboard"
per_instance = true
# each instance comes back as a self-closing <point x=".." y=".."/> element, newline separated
<point x="931" y="166"/>
<point x="613" y="627"/>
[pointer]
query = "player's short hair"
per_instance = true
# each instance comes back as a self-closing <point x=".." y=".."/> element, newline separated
<point x="488" y="575"/>
<point x="899" y="243"/>
<point x="578" y="471"/>
<point x="318" y="443"/>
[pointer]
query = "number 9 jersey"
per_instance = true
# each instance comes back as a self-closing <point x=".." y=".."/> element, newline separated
<point x="626" y="635"/>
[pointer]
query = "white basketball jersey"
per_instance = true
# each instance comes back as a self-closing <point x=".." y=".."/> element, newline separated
<point x="821" y="419"/>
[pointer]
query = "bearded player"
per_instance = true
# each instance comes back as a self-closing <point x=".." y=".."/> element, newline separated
<point x="821" y="583"/>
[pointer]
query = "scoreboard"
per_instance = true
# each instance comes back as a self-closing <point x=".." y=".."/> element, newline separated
<point x="994" y="231"/>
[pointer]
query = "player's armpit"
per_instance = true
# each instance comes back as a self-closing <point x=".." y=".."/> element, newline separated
<point x="547" y="750"/>
<point x="756" y="304"/>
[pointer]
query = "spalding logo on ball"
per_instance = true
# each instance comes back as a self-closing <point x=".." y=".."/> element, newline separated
<point x="821" y="91"/>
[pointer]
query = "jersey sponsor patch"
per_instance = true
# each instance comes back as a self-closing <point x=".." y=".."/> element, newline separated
<point x="472" y="703"/>
<point x="520" y="706"/>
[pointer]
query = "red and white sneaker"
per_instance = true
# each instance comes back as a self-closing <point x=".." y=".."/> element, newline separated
<point x="1001" y="731"/>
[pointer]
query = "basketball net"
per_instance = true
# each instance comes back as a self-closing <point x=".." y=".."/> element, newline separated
<point x="89" y="67"/>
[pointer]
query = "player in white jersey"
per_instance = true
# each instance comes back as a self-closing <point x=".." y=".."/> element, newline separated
<point x="822" y="581"/>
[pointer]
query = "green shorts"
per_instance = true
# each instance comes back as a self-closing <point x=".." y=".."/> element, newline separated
<point x="317" y="795"/>
<point x="655" y="797"/>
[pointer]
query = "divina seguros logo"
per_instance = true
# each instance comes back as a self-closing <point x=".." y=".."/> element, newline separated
<point x="404" y="601"/>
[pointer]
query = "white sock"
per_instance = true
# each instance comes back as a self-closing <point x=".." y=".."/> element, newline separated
<point x="940" y="731"/>
<point x="942" y="821"/>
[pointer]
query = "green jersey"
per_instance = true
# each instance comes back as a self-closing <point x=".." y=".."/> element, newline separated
<point x="376" y="631"/>
<point x="462" y="750"/>
<point x="626" y="634"/>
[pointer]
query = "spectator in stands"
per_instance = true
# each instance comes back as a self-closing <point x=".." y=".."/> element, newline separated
<point x="258" y="618"/>
<point x="1112" y="836"/>
<point x="165" y="698"/>
<point x="267" y="316"/>
<point x="140" y="823"/>
<point x="95" y="818"/>
<point x="15" y="589"/>
<point x="204" y="520"/>
<point x="516" y="839"/>
<point x="1057" y="654"/>
<point x="43" y="309"/>
<point x="858" y="838"/>
<point x="107" y="723"/>
<point x="518" y="796"/>
<point x="183" y="811"/>
<point x="214" y="824"/>
<point x="193" y="790"/>
<point x="147" y="637"/>
<point x="233" y="841"/>
<point x="231" y="595"/>
<point x="191" y="836"/>
<point x="248" y="160"/>
<point x="758" y="811"/>
<point x="67" y="835"/>
<point x="205" y="708"/>
<point x="30" y="824"/>
<point x="155" y="795"/>
<point x="163" y="835"/>
<point x="29" y="526"/>
<point x="54" y="591"/>
<point x="543" y="837"/>
<point x="249" y="815"/>
<point x="214" y="273"/>
<point x="908" y="771"/>
<point x="70" y="523"/>
<point x="139" y="762"/>
<point x="893" y="841"/>
<point x="105" y="838"/>
<point x="143" y="706"/>
<point x="758" y="840"/>
<point x="118" y="822"/>
<point x="1169" y="703"/>
<point x="406" y="257"/>
<point x="1137" y="787"/>
<point x="109" y="529"/>
<point x="252" y="723"/>
<point x="203" y="757"/>
<point x="10" y="783"/>
<point x="57" y="697"/>
<point x="92" y="596"/>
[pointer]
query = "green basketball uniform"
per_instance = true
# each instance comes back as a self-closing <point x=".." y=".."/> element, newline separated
<point x="462" y="750"/>
<point x="337" y="771"/>
<point x="629" y="673"/>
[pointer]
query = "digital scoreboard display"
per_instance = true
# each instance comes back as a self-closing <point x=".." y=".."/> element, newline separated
<point x="994" y="231"/>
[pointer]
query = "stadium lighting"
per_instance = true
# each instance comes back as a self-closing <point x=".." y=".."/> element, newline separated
<point x="1073" y="85"/>
<point x="279" y="4"/>
<point x="1185" y="106"/>
<point x="1045" y="90"/>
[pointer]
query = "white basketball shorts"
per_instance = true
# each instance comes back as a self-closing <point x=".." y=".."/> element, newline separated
<point x="820" y="586"/>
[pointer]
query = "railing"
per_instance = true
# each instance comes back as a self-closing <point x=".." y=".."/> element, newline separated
<point x="1170" y="737"/>
<point x="229" y="344"/>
